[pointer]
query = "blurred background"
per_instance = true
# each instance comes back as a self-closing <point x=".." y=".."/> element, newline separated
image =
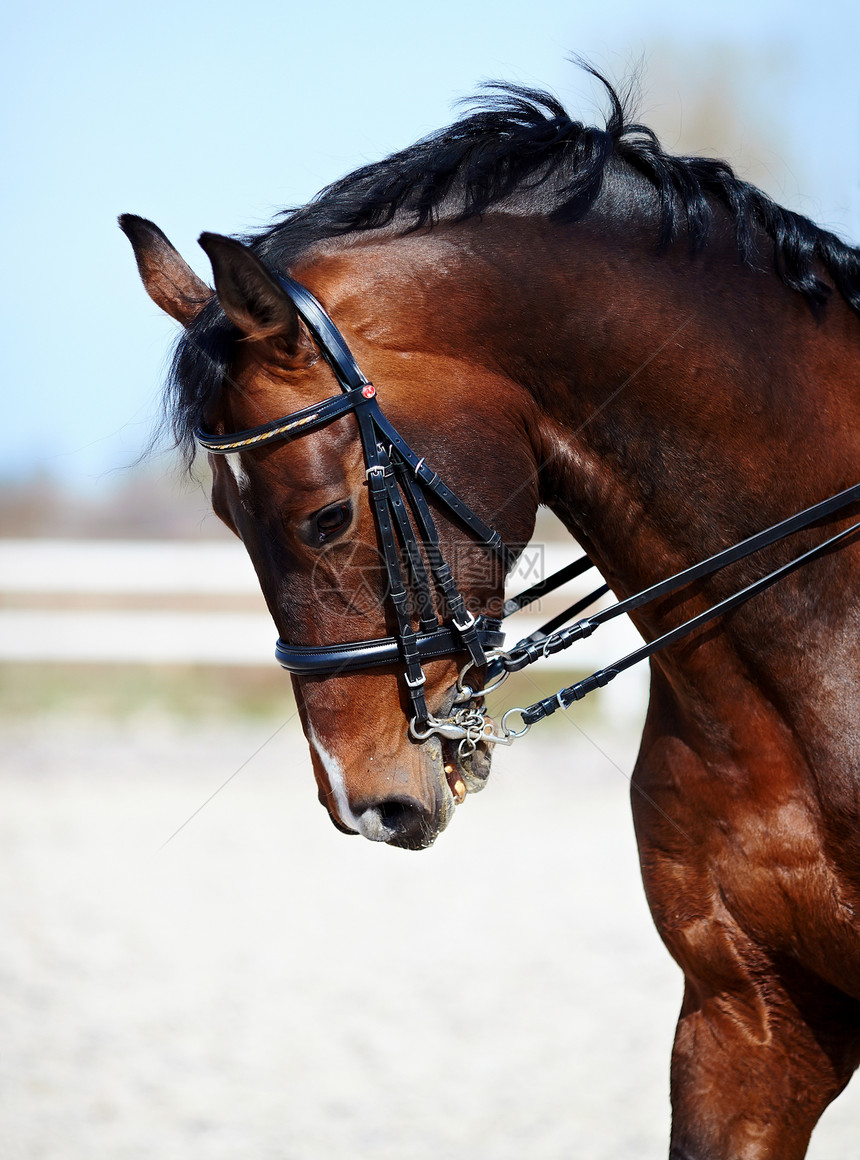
<point x="194" y="961"/>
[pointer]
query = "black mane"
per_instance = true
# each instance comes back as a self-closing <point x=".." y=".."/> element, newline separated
<point x="518" y="141"/>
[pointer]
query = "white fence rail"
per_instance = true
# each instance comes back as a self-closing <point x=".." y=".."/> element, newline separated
<point x="143" y="567"/>
<point x="58" y="573"/>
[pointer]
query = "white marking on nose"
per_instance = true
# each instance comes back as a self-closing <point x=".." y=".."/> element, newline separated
<point x="234" y="462"/>
<point x="371" y="826"/>
<point x="334" y="773"/>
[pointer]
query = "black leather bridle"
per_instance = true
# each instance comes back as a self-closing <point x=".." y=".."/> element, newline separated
<point x="397" y="481"/>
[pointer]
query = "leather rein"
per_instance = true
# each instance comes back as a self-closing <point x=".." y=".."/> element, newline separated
<point x="398" y="480"/>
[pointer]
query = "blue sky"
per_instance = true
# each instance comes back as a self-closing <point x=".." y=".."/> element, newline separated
<point x="213" y="116"/>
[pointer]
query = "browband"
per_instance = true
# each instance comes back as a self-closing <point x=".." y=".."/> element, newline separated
<point x="299" y="423"/>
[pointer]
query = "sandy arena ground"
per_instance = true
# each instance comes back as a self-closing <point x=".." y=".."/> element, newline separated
<point x="265" y="987"/>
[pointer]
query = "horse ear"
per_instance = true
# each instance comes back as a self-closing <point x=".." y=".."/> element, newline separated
<point x="169" y="280"/>
<point x="250" y="296"/>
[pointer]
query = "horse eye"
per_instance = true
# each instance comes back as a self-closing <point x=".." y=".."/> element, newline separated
<point x="326" y="524"/>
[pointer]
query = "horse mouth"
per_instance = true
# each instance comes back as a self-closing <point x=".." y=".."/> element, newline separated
<point x="465" y="773"/>
<point x="397" y="822"/>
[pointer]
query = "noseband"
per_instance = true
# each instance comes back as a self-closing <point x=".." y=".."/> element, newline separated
<point x="398" y="481"/>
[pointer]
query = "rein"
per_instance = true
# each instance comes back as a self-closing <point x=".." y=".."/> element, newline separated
<point x="397" y="481"/>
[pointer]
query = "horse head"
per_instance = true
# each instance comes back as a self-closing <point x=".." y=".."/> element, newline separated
<point x="301" y="505"/>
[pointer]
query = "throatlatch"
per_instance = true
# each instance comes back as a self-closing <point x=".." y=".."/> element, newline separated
<point x="397" y="481"/>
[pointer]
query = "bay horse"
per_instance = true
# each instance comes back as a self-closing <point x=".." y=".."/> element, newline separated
<point x="554" y="313"/>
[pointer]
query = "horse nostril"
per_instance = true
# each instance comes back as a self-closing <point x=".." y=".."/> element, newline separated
<point x="395" y="813"/>
<point x="398" y="821"/>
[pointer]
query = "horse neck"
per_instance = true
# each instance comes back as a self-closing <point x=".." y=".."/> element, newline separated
<point x="689" y="401"/>
<point x="684" y="404"/>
